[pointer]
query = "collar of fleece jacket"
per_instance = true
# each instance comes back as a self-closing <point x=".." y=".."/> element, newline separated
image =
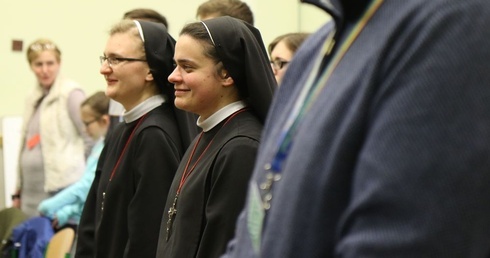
<point x="341" y="10"/>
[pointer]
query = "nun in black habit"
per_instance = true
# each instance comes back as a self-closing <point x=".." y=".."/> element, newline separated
<point x="224" y="76"/>
<point x="125" y="204"/>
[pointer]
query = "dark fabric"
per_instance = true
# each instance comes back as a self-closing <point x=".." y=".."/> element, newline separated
<point x="214" y="194"/>
<point x="114" y="121"/>
<point x="243" y="54"/>
<point x="85" y="244"/>
<point x="392" y="159"/>
<point x="159" y="50"/>
<point x="134" y="199"/>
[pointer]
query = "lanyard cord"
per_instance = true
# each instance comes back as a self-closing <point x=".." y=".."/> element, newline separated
<point x="313" y="89"/>
<point x="126" y="146"/>
<point x="120" y="157"/>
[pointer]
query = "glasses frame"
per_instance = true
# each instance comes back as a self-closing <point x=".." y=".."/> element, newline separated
<point x="111" y="60"/>
<point x="87" y="124"/>
<point x="278" y="64"/>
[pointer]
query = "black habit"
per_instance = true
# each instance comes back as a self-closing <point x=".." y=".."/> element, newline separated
<point x="128" y="224"/>
<point x="214" y="193"/>
<point x="121" y="216"/>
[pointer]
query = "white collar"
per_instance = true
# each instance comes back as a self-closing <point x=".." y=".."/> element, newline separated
<point x="220" y="115"/>
<point x="143" y="108"/>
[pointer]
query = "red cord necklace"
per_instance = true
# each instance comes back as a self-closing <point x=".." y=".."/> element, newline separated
<point x="172" y="211"/>
<point x="120" y="157"/>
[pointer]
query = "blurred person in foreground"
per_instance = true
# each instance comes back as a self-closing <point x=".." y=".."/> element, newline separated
<point x="378" y="140"/>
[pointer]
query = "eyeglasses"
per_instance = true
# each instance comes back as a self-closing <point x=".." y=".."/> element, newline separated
<point x="42" y="46"/>
<point x="91" y="121"/>
<point x="278" y="64"/>
<point x="116" y="60"/>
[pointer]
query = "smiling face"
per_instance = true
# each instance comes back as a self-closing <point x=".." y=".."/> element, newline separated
<point x="128" y="82"/>
<point x="282" y="53"/>
<point x="200" y="86"/>
<point x="46" y="67"/>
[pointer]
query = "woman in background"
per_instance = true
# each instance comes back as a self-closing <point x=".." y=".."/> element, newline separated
<point x="282" y="50"/>
<point x="55" y="144"/>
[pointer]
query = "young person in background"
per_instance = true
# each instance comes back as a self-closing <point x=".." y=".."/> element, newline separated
<point x="233" y="8"/>
<point x="282" y="50"/>
<point x="67" y="205"/>
<point x="146" y="14"/>
<point x="65" y="208"/>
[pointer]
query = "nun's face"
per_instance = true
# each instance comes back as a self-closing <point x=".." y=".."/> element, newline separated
<point x="127" y="81"/>
<point x="198" y="88"/>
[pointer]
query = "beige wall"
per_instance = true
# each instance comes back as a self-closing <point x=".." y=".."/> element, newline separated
<point x="80" y="27"/>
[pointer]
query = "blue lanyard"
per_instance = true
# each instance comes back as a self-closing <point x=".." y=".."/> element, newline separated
<point x="314" y="87"/>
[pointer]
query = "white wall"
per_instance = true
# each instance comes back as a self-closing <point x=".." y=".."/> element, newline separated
<point x="80" y="28"/>
<point x="10" y="128"/>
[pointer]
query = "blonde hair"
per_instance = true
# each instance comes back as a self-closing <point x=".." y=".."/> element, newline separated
<point x="127" y="26"/>
<point x="40" y="45"/>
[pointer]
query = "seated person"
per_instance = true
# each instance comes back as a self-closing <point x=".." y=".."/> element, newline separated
<point x="67" y="205"/>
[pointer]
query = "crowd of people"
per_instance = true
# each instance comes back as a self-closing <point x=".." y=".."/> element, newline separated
<point x="367" y="138"/>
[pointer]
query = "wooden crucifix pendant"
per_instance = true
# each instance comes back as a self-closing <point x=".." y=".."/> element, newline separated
<point x="172" y="211"/>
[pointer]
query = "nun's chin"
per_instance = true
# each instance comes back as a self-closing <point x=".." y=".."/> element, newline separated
<point x="180" y="103"/>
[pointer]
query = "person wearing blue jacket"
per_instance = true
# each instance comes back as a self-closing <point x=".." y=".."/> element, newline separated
<point x="67" y="205"/>
<point x="377" y="143"/>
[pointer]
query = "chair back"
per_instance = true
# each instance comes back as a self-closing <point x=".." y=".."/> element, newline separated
<point x="60" y="244"/>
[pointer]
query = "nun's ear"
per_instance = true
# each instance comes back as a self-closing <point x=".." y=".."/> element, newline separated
<point x="149" y="76"/>
<point x="226" y="79"/>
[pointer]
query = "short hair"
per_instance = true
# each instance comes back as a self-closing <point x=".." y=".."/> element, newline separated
<point x="39" y="45"/>
<point x="147" y="15"/>
<point x="98" y="102"/>
<point x="234" y="8"/>
<point x="292" y="41"/>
